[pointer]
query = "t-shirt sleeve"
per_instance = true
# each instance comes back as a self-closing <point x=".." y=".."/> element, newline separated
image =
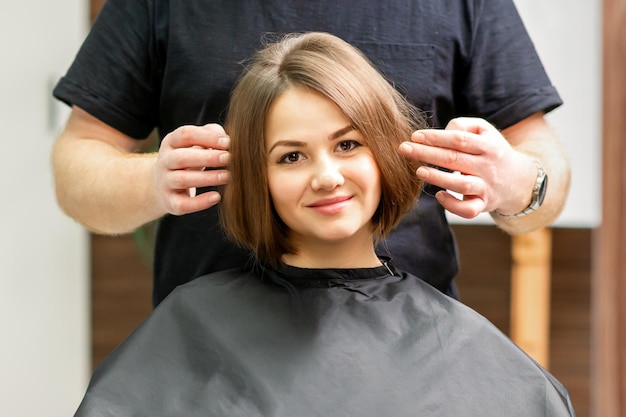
<point x="114" y="76"/>
<point x="506" y="81"/>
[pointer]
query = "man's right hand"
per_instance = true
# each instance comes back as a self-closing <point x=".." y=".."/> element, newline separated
<point x="191" y="157"/>
<point x="107" y="184"/>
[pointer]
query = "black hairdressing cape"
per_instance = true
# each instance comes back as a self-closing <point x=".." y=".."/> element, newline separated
<point x="300" y="342"/>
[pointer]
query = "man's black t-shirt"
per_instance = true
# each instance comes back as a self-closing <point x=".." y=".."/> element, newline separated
<point x="161" y="64"/>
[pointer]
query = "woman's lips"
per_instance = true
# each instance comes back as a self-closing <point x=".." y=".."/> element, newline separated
<point x="330" y="205"/>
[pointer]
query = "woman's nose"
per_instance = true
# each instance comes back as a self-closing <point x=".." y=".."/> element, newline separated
<point x="327" y="175"/>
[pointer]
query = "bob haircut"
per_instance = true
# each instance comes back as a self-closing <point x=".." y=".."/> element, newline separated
<point x="340" y="72"/>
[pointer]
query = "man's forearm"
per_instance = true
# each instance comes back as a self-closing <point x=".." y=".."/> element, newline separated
<point x="107" y="190"/>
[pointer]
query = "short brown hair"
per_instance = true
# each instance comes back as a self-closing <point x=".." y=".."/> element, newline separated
<point x="340" y="72"/>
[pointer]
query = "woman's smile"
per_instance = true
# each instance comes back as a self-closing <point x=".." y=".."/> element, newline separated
<point x="331" y="205"/>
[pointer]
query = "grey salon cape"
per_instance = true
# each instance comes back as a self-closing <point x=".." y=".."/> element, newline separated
<point x="299" y="342"/>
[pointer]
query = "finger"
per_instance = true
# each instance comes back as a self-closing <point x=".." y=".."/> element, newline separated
<point x="181" y="203"/>
<point x="186" y="179"/>
<point x="470" y="124"/>
<point x="452" y="181"/>
<point x="184" y="158"/>
<point x="468" y="208"/>
<point x="442" y="157"/>
<point x="210" y="136"/>
<point x="457" y="140"/>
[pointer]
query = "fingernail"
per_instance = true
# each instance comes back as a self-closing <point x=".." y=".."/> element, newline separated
<point x="224" y="158"/>
<point x="223" y="176"/>
<point x="213" y="198"/>
<point x="405" y="147"/>
<point x="224" y="142"/>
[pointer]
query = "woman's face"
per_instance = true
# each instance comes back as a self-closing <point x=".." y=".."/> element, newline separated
<point x="323" y="179"/>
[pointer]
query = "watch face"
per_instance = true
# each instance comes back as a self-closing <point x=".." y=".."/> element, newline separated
<point x="543" y="187"/>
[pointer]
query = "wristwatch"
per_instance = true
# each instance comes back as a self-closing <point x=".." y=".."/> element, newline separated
<point x="539" y="193"/>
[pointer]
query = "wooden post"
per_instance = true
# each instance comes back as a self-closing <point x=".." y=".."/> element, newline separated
<point x="608" y="361"/>
<point x="530" y="293"/>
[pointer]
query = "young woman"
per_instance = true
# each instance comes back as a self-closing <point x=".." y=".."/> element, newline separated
<point x="318" y="324"/>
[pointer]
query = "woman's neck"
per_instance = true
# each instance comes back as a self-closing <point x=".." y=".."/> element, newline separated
<point x="343" y="254"/>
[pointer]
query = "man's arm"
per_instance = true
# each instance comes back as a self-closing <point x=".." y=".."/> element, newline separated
<point x="534" y="137"/>
<point x="106" y="184"/>
<point x="498" y="171"/>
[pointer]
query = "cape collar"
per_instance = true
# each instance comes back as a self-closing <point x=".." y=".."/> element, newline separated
<point x="328" y="277"/>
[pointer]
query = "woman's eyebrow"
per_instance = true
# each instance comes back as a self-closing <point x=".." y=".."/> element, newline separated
<point x="341" y="132"/>
<point x="289" y="143"/>
<point x="296" y="143"/>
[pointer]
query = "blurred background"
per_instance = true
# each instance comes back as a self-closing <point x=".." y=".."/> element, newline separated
<point x="67" y="298"/>
<point x="45" y="355"/>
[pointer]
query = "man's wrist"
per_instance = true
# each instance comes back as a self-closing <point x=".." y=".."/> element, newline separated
<point x="539" y="191"/>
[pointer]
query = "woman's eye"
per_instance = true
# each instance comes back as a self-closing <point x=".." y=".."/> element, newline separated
<point x="290" y="158"/>
<point x="348" y="145"/>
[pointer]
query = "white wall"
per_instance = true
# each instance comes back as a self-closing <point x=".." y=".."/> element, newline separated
<point x="44" y="271"/>
<point x="568" y="37"/>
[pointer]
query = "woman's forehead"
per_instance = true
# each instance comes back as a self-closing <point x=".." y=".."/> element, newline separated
<point x="299" y="114"/>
